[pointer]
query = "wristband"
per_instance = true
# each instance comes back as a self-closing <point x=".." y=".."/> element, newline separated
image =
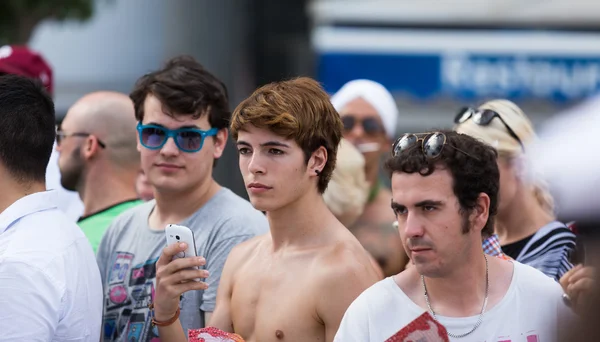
<point x="163" y="323"/>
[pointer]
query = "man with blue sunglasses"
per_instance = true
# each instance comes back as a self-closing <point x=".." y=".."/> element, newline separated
<point x="183" y="113"/>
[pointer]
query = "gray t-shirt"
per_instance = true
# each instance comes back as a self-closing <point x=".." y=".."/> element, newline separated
<point x="129" y="250"/>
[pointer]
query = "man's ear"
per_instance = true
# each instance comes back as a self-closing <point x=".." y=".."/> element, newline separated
<point x="90" y="147"/>
<point x="220" y="141"/>
<point x="317" y="161"/>
<point x="480" y="214"/>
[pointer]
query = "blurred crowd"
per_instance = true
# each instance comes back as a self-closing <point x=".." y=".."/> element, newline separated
<point x="487" y="231"/>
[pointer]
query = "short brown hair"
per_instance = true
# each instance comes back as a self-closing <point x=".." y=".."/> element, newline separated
<point x="472" y="164"/>
<point x="184" y="87"/>
<point x="296" y="109"/>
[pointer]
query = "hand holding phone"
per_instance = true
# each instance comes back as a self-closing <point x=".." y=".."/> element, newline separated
<point x="177" y="233"/>
<point x="177" y="271"/>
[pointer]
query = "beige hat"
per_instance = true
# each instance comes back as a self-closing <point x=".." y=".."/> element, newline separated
<point x="496" y="133"/>
<point x="348" y="190"/>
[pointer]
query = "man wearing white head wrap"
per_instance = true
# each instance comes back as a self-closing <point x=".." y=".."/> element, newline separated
<point x="376" y="95"/>
<point x="370" y="115"/>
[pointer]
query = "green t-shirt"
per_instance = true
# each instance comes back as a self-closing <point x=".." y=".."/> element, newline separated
<point x="94" y="225"/>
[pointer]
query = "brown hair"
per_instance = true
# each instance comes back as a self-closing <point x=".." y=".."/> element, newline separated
<point x="296" y="109"/>
<point x="184" y="87"/>
<point x="472" y="165"/>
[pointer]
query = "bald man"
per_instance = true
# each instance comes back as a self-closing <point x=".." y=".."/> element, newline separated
<point x="99" y="158"/>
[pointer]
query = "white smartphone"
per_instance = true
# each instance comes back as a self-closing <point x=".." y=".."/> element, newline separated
<point x="177" y="233"/>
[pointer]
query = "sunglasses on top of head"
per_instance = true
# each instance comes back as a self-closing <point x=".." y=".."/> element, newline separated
<point x="188" y="140"/>
<point x="432" y="144"/>
<point x="483" y="118"/>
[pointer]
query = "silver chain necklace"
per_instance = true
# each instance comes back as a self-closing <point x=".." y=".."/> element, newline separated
<point x="480" y="320"/>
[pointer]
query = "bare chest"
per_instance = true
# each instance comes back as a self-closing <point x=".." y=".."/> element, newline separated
<point x="276" y="302"/>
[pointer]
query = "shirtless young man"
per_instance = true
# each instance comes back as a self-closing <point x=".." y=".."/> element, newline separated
<point x="295" y="283"/>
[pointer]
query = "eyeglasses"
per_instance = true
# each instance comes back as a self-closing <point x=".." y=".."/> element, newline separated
<point x="483" y="118"/>
<point x="188" y="140"/>
<point x="61" y="135"/>
<point x="432" y="144"/>
<point x="369" y="125"/>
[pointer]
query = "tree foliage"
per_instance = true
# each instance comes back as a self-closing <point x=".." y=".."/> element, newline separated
<point x="18" y="18"/>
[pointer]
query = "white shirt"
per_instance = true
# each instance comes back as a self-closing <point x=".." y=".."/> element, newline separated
<point x="530" y="311"/>
<point x="50" y="287"/>
<point x="67" y="201"/>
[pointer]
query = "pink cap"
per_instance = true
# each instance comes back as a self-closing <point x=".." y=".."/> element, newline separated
<point x="20" y="60"/>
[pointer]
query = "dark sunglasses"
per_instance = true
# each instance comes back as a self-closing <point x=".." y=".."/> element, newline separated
<point x="432" y="144"/>
<point x="188" y="140"/>
<point x="369" y="125"/>
<point x="60" y="136"/>
<point x="483" y="118"/>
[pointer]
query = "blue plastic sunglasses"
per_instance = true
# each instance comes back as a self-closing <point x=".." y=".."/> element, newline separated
<point x="188" y="140"/>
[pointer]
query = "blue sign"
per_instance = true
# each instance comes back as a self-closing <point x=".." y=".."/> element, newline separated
<point x="467" y="77"/>
<point x="464" y="72"/>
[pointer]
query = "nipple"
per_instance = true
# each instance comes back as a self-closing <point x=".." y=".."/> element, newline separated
<point x="279" y="334"/>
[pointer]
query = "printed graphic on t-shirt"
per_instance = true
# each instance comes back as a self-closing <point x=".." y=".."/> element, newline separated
<point x="426" y="329"/>
<point x="529" y="336"/>
<point x="130" y="292"/>
<point x="422" y="329"/>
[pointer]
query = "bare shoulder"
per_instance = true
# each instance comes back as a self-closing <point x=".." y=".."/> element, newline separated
<point x="342" y="273"/>
<point x="242" y="251"/>
<point x="346" y="261"/>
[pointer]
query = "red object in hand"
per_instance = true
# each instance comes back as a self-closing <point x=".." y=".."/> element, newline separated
<point x="423" y="328"/>
<point x="211" y="334"/>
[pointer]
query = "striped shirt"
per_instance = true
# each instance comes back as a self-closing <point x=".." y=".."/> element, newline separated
<point x="547" y="250"/>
